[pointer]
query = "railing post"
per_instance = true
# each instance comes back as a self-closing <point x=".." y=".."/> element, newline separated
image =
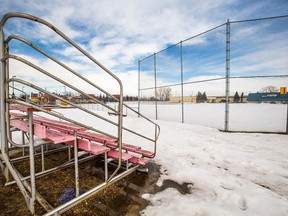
<point x="32" y="163"/>
<point x="227" y="75"/>
<point x="3" y="124"/>
<point x="2" y="92"/>
<point x="3" y="134"/>
<point x="77" y="193"/>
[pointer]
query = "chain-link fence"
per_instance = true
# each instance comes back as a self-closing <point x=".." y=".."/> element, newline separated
<point x="206" y="78"/>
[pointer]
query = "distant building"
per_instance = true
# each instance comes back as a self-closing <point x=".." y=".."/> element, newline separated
<point x="186" y="99"/>
<point x="116" y="96"/>
<point x="210" y="99"/>
<point x="271" y="97"/>
<point x="82" y="98"/>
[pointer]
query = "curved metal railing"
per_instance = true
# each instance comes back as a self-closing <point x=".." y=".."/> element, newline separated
<point x="57" y="31"/>
<point x="15" y="37"/>
<point x="6" y="99"/>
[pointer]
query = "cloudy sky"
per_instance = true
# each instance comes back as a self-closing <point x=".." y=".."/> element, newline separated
<point x="119" y="33"/>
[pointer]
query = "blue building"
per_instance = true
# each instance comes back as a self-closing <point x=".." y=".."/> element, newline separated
<point x="271" y="97"/>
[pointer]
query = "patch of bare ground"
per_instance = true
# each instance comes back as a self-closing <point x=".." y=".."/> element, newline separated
<point x="121" y="198"/>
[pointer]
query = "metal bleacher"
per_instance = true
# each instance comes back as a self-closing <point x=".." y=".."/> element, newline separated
<point x="20" y="115"/>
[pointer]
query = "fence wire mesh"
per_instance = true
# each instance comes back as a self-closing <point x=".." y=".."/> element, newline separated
<point x="206" y="78"/>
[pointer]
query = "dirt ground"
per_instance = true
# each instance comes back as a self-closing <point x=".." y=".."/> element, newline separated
<point x="121" y="198"/>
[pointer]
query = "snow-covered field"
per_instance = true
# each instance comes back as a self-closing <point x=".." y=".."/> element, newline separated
<point x="242" y="117"/>
<point x="226" y="173"/>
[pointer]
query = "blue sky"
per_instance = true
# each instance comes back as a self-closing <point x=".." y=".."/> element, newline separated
<point x="118" y="33"/>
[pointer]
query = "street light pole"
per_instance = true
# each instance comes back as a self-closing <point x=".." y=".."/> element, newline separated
<point x="13" y="93"/>
<point x="23" y="95"/>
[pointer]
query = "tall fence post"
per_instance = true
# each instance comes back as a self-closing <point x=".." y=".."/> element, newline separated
<point x="138" y="86"/>
<point x="287" y="120"/>
<point x="227" y="75"/>
<point x="155" y="80"/>
<point x="182" y="97"/>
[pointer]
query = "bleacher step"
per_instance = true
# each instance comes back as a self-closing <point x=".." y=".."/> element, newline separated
<point x="145" y="153"/>
<point x="57" y="137"/>
<point x="91" y="147"/>
<point x="115" y="154"/>
<point x="59" y="125"/>
<point x="42" y="132"/>
<point x="130" y="147"/>
<point x="60" y="132"/>
<point x="139" y="161"/>
<point x="96" y="137"/>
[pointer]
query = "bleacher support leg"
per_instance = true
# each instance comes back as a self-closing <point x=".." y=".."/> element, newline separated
<point x="23" y="142"/>
<point x="106" y="166"/>
<point x="76" y="166"/>
<point x="69" y="153"/>
<point x="32" y="163"/>
<point x="42" y="158"/>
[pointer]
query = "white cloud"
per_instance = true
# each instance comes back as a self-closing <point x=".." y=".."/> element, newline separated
<point x="117" y="33"/>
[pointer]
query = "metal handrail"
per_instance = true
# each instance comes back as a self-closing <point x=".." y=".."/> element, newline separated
<point x="66" y="38"/>
<point x="15" y="88"/>
<point x="23" y="92"/>
<point x="6" y="100"/>
<point x="16" y="37"/>
<point x="73" y="105"/>
<point x="121" y="104"/>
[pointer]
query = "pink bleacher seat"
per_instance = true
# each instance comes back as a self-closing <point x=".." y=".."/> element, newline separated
<point x="82" y="144"/>
<point x="112" y="142"/>
<point x="96" y="137"/>
<point x="93" y="148"/>
<point x="57" y="137"/>
<point x="139" y="161"/>
<point x="125" y="146"/>
<point x="145" y="153"/>
<point x="130" y="147"/>
<point x="59" y="125"/>
<point x="98" y="149"/>
<point x="61" y="132"/>
<point x="17" y="114"/>
<point x="115" y="154"/>
<point x="42" y="132"/>
<point x="39" y="130"/>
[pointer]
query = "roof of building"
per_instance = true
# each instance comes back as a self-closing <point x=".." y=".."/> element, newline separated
<point x="271" y="96"/>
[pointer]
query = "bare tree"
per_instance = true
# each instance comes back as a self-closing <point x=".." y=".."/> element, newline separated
<point x="167" y="93"/>
<point x="164" y="94"/>
<point x="268" y="89"/>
